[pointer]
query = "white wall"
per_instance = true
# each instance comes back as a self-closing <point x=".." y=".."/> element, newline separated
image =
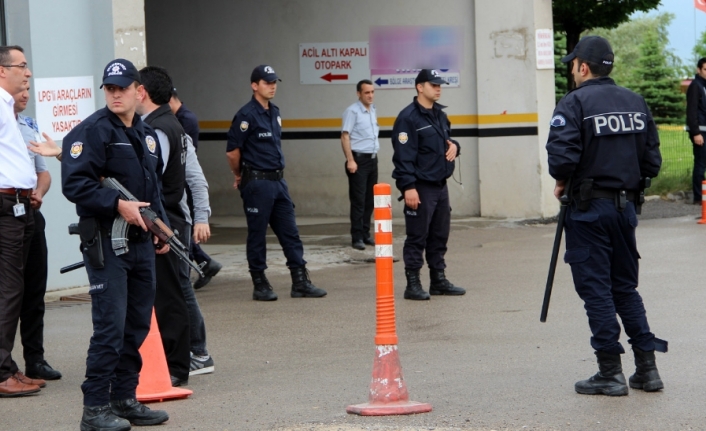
<point x="210" y="52"/>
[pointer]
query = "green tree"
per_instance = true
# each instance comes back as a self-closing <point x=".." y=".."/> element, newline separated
<point x="573" y="17"/>
<point x="655" y="81"/>
<point x="559" y="79"/>
<point x="626" y="39"/>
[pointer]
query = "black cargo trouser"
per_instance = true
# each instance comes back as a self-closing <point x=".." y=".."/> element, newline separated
<point x="427" y="228"/>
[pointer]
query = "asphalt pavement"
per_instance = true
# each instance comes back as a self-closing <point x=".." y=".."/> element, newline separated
<point x="483" y="360"/>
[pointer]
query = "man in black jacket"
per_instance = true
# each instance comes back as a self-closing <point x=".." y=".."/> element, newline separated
<point x="602" y="141"/>
<point x="190" y="123"/>
<point x="424" y="158"/>
<point x="188" y="352"/>
<point x="169" y="302"/>
<point x="696" y="125"/>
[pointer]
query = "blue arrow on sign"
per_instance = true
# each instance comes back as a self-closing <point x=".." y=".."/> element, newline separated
<point x="381" y="81"/>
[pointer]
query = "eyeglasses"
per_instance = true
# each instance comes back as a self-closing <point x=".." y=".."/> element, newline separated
<point x="21" y="65"/>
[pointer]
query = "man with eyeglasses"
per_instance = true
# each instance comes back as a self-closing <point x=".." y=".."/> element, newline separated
<point x="17" y="182"/>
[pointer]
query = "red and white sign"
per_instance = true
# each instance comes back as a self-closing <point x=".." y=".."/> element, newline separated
<point x="62" y="103"/>
<point x="544" y="39"/>
<point x="334" y="63"/>
<point x="700" y="5"/>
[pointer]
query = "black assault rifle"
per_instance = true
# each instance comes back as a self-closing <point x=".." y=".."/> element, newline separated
<point x="155" y="225"/>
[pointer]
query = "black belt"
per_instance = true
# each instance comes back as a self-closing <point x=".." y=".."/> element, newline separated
<point x="263" y="175"/>
<point x="364" y="155"/>
<point x="612" y="194"/>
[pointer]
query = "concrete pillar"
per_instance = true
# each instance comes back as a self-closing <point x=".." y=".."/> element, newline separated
<point x="514" y="179"/>
<point x="129" y="31"/>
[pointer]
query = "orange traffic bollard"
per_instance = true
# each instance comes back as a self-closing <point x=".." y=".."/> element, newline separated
<point x="155" y="383"/>
<point x="703" y="203"/>
<point x="388" y="390"/>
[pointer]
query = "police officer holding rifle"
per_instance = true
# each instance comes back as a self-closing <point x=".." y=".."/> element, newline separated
<point x="114" y="142"/>
<point x="603" y="137"/>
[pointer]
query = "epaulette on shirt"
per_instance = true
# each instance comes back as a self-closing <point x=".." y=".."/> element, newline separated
<point x="245" y="110"/>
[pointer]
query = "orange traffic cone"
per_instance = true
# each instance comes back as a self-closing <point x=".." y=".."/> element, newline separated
<point x="388" y="390"/>
<point x="155" y="383"/>
<point x="703" y="203"/>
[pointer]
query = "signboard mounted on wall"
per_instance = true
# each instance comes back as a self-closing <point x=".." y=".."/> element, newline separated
<point x="62" y="103"/>
<point x="398" y="53"/>
<point x="544" y="39"/>
<point x="333" y="63"/>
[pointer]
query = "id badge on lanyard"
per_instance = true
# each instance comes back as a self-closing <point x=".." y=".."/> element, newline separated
<point x="18" y="208"/>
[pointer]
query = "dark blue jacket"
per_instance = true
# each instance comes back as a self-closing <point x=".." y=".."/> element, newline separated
<point x="603" y="132"/>
<point x="101" y="146"/>
<point x="696" y="106"/>
<point x="258" y="133"/>
<point x="419" y="142"/>
<point x="190" y="124"/>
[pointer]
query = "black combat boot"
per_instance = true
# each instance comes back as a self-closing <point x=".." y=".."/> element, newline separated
<point x="646" y="376"/>
<point x="301" y="284"/>
<point x="414" y="286"/>
<point x="609" y="380"/>
<point x="441" y="286"/>
<point x="138" y="413"/>
<point x="262" y="289"/>
<point x="102" y="418"/>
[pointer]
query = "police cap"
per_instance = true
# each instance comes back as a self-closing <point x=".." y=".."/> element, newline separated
<point x="429" y="75"/>
<point x="264" y="72"/>
<point x="120" y="72"/>
<point x="594" y="49"/>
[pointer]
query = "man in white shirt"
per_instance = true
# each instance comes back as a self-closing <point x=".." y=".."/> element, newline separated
<point x="17" y="181"/>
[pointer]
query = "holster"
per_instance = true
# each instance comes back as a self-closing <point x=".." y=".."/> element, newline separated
<point x="621" y="200"/>
<point x="244" y="176"/>
<point x="585" y="194"/>
<point x="645" y="183"/>
<point x="91" y="241"/>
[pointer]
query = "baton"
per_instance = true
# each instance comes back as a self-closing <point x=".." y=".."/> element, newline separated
<point x="564" y="199"/>
<point x="71" y="267"/>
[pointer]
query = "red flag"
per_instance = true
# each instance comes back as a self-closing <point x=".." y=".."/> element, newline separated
<point x="700" y="5"/>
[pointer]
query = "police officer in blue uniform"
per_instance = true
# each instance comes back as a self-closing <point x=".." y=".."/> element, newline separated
<point x="424" y="155"/>
<point x="114" y="142"/>
<point x="255" y="157"/>
<point x="603" y="141"/>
